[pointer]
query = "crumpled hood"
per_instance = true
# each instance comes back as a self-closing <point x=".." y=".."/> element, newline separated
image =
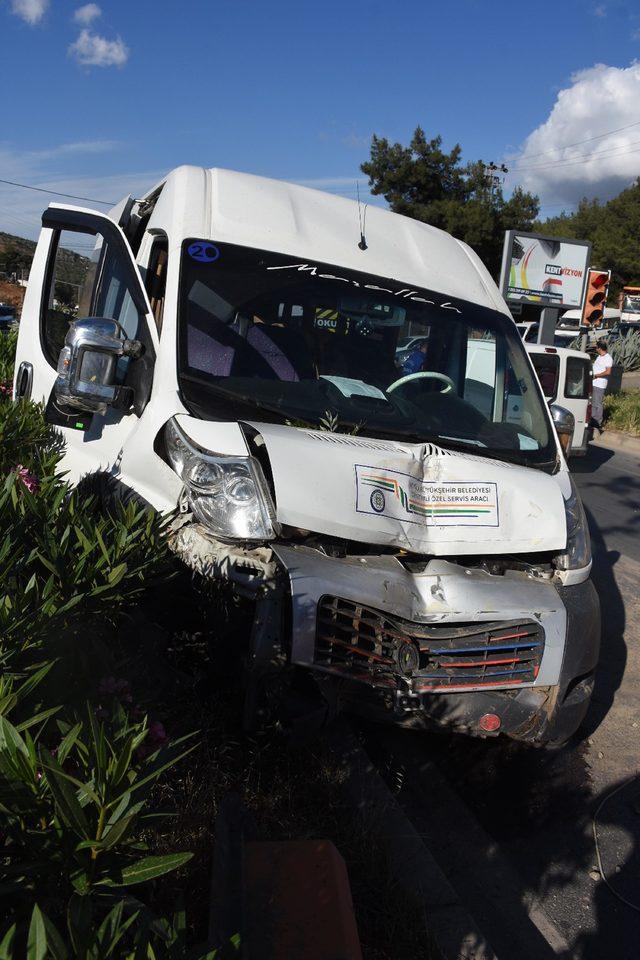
<point x="417" y="496"/>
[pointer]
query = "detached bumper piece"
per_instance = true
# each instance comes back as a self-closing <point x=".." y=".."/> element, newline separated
<point x="366" y="645"/>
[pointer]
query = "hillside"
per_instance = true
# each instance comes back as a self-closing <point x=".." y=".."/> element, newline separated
<point x="16" y="255"/>
<point x="13" y="294"/>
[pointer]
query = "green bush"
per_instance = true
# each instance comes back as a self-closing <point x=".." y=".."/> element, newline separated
<point x="622" y="411"/>
<point x="78" y="763"/>
<point x="75" y="798"/>
<point x="626" y="351"/>
<point x="8" y="343"/>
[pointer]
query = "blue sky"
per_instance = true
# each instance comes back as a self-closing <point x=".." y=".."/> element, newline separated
<point x="295" y="90"/>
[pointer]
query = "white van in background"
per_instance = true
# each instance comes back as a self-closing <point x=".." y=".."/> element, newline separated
<point x="565" y="378"/>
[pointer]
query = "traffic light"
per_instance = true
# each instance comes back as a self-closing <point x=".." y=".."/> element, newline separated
<point x="595" y="297"/>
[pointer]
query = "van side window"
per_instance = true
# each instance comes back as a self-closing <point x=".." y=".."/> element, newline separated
<point x="547" y="367"/>
<point x="69" y="271"/>
<point x="156" y="279"/>
<point x="578" y="380"/>
<point x="85" y="279"/>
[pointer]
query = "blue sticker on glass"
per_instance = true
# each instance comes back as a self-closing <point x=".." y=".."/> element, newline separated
<point x="203" y="252"/>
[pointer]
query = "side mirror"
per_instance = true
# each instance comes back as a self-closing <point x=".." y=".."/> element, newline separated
<point x="565" y="424"/>
<point x="87" y="366"/>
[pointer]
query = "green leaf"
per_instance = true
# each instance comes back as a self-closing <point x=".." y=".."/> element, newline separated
<point x="37" y="936"/>
<point x="113" y="927"/>
<point x="47" y="563"/>
<point x="84" y="787"/>
<point x="117" y="574"/>
<point x="37" y="718"/>
<point x="10" y="739"/>
<point x="123" y="762"/>
<point x="65" y="798"/>
<point x="105" y="553"/>
<point x="32" y="681"/>
<point x="68" y="742"/>
<point x="55" y="944"/>
<point x="98" y="744"/>
<point x="6" y="947"/>
<point x="156" y="771"/>
<point x="79" y="917"/>
<point x="79" y="878"/>
<point x="70" y="604"/>
<point x="148" y="869"/>
<point x="116" y="833"/>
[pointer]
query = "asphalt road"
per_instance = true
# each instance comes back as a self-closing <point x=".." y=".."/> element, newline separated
<point x="609" y="482"/>
<point x="519" y="845"/>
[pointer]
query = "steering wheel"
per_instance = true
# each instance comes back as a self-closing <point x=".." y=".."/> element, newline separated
<point x="449" y="384"/>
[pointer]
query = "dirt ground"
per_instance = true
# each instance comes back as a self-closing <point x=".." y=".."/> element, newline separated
<point x="13" y="294"/>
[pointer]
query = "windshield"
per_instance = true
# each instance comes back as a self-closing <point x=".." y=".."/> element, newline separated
<point x="631" y="304"/>
<point x="265" y="336"/>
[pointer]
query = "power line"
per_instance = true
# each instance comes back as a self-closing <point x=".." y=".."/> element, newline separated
<point x="56" y="193"/>
<point x="586" y="158"/>
<point x="578" y="142"/>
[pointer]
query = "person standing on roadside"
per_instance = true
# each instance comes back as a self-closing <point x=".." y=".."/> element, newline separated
<point x="601" y="373"/>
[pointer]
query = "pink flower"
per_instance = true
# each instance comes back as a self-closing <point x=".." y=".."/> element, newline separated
<point x="157" y="734"/>
<point x="110" y="687"/>
<point x="155" y="740"/>
<point x="6" y="389"/>
<point x="107" y="686"/>
<point x="30" y="481"/>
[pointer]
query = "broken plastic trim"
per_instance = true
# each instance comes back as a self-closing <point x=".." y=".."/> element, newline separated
<point x="249" y="569"/>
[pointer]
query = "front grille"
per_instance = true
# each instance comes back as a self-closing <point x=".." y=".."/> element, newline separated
<point x="368" y="645"/>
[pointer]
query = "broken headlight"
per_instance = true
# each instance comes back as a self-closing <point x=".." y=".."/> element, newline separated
<point x="229" y="495"/>
<point x="577" y="554"/>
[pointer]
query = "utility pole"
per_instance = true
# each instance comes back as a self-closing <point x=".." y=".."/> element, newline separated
<point x="494" y="175"/>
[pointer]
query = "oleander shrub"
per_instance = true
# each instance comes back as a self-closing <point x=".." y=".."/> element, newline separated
<point x="79" y="760"/>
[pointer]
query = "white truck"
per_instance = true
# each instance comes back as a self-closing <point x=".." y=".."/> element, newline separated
<point x="412" y="540"/>
<point x="629" y="305"/>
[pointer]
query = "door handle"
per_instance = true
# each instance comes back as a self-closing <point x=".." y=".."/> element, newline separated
<point x="24" y="381"/>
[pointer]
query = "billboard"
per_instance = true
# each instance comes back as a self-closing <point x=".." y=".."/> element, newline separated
<point x="547" y="271"/>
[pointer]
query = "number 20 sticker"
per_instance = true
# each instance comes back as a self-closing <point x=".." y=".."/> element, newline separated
<point x="203" y="252"/>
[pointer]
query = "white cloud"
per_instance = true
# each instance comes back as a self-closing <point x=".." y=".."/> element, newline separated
<point x="566" y="157"/>
<point x="31" y="11"/>
<point x="87" y="14"/>
<point x="600" y="11"/>
<point x="82" y="146"/>
<point x="92" y="50"/>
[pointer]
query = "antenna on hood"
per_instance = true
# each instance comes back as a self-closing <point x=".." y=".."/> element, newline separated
<point x="362" y="217"/>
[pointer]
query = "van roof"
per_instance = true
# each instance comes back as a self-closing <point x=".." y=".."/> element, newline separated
<point x="561" y="351"/>
<point x="311" y="225"/>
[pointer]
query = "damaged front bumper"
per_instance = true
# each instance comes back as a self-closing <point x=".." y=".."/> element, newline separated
<point x="421" y="644"/>
<point x="445" y="644"/>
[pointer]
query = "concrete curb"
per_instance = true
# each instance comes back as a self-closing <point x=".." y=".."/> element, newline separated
<point x="447" y="921"/>
<point x="617" y="440"/>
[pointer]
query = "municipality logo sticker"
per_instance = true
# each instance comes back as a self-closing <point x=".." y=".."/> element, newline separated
<point x="400" y="496"/>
